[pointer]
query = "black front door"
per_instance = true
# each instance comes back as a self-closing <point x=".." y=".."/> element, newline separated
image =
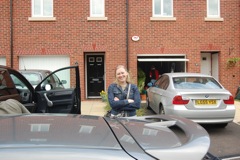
<point x="95" y="75"/>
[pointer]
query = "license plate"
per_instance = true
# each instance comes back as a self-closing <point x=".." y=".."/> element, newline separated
<point x="205" y="102"/>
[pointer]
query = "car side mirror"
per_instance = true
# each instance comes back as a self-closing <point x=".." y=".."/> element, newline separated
<point x="63" y="82"/>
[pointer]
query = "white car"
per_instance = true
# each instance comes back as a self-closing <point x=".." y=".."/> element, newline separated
<point x="195" y="96"/>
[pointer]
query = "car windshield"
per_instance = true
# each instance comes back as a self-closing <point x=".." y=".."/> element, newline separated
<point x="195" y="83"/>
<point x="33" y="78"/>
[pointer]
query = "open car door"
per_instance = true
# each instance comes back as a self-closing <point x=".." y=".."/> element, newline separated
<point x="59" y="92"/>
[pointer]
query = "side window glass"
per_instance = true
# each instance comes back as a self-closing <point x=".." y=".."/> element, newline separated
<point x="162" y="8"/>
<point x="213" y="8"/>
<point x="97" y="8"/>
<point x="157" y="82"/>
<point x="42" y="8"/>
<point x="164" y="82"/>
<point x="63" y="79"/>
<point x="7" y="86"/>
<point x="18" y="83"/>
<point x="5" y="80"/>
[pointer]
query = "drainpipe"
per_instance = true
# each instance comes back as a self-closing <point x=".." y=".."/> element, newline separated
<point x="11" y="31"/>
<point x="127" y="34"/>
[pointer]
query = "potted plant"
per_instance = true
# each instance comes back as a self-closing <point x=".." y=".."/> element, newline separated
<point x="141" y="82"/>
<point x="103" y="94"/>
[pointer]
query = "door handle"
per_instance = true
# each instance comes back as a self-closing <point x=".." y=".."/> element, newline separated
<point x="49" y="103"/>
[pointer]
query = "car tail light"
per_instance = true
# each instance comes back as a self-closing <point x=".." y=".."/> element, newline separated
<point x="179" y="100"/>
<point x="229" y="101"/>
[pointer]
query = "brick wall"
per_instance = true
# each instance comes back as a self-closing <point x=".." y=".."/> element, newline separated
<point x="5" y="30"/>
<point x="73" y="35"/>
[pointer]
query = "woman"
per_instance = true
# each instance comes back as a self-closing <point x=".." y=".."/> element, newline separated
<point x="118" y="91"/>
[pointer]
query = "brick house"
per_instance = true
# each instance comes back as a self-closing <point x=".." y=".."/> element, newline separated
<point x="175" y="35"/>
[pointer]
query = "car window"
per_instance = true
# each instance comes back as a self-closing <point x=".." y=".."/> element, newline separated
<point x="55" y="81"/>
<point x="58" y="80"/>
<point x="33" y="78"/>
<point x="162" y="82"/>
<point x="196" y="83"/>
<point x="5" y="80"/>
<point x="18" y="83"/>
<point x="7" y="87"/>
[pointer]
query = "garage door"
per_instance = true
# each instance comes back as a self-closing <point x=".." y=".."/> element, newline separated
<point x="51" y="63"/>
<point x="3" y="61"/>
<point x="43" y="62"/>
<point x="165" y="63"/>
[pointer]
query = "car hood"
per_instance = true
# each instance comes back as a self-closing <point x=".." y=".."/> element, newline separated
<point x="137" y="136"/>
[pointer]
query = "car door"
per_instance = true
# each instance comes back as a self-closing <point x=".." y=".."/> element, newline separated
<point x="56" y="100"/>
<point x="158" y="91"/>
<point x="59" y="99"/>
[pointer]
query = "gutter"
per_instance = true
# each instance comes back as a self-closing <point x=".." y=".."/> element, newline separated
<point x="127" y="54"/>
<point x="11" y="32"/>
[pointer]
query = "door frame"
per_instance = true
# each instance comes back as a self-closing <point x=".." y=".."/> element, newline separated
<point x="214" y="63"/>
<point x="86" y="74"/>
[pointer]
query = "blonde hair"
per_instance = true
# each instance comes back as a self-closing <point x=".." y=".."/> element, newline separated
<point x="128" y="75"/>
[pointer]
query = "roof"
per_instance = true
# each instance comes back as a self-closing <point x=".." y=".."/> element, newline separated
<point x="184" y="74"/>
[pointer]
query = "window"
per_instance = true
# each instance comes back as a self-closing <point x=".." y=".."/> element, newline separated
<point x="42" y="8"/>
<point x="97" y="8"/>
<point x="213" y="8"/>
<point x="162" y="8"/>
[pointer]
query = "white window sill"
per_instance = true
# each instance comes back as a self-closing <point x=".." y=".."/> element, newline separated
<point x="213" y="19"/>
<point x="41" y="18"/>
<point x="97" y="18"/>
<point x="163" y="18"/>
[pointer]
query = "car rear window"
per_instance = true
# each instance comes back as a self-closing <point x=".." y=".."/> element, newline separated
<point x="195" y="83"/>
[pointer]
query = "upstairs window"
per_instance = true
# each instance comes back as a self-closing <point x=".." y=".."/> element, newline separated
<point x="97" y="8"/>
<point x="42" y="8"/>
<point x="162" y="8"/>
<point x="213" y="8"/>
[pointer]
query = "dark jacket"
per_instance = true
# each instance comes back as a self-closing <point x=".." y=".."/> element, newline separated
<point x="122" y="105"/>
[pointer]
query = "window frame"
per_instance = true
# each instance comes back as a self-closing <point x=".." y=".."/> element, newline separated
<point x="218" y="10"/>
<point x="102" y="8"/>
<point x="162" y="9"/>
<point x="41" y="10"/>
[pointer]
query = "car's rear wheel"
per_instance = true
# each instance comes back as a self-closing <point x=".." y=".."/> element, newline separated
<point x="161" y="109"/>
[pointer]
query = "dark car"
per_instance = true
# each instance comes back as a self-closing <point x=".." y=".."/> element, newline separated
<point x="35" y="76"/>
<point x="44" y="98"/>
<point x="75" y="137"/>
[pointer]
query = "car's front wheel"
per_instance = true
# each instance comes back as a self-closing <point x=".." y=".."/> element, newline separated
<point x="161" y="109"/>
<point x="147" y="103"/>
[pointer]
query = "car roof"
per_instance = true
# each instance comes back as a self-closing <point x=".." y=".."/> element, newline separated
<point x="186" y="74"/>
<point x="64" y="129"/>
<point x="55" y="133"/>
<point x="35" y="70"/>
